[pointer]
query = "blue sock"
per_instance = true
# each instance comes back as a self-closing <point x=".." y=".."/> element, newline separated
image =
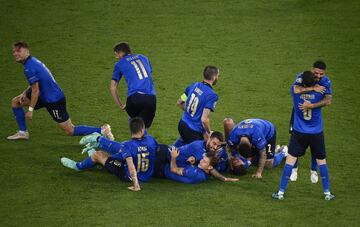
<point x="278" y="158"/>
<point x="296" y="164"/>
<point x="85" y="164"/>
<point x="82" y="130"/>
<point x="19" y="114"/>
<point x="245" y="161"/>
<point x="313" y="163"/>
<point x="112" y="147"/>
<point x="285" y="176"/>
<point x="324" y="177"/>
<point x="179" y="142"/>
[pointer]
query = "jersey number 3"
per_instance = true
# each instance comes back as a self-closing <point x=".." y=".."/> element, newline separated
<point x="140" y="69"/>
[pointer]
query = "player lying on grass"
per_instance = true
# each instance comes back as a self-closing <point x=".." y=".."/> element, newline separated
<point x="251" y="134"/>
<point x="323" y="86"/>
<point x="44" y="92"/>
<point x="132" y="160"/>
<point x="307" y="131"/>
<point x="192" y="154"/>
<point x="198" y="100"/>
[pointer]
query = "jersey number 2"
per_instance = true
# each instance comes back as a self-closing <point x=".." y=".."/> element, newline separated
<point x="140" y="69"/>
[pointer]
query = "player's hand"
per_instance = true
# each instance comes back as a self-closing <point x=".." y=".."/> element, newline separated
<point x="174" y="152"/>
<point x="319" y="88"/>
<point x="206" y="136"/>
<point x="134" y="188"/>
<point x="257" y="175"/>
<point x="123" y="107"/>
<point x="305" y="106"/>
<point x="229" y="179"/>
<point x="29" y="115"/>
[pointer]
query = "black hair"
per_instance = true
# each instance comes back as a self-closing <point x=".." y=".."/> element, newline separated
<point x="308" y="79"/>
<point x="245" y="149"/>
<point x="214" y="160"/>
<point x="319" y="64"/>
<point x="218" y="135"/>
<point x="136" y="125"/>
<point x="123" y="47"/>
<point x="210" y="72"/>
<point x="21" y="44"/>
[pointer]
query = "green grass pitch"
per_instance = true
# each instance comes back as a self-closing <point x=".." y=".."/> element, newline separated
<point x="259" y="47"/>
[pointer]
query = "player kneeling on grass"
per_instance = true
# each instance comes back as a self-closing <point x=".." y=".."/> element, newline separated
<point x="254" y="137"/>
<point x="44" y="92"/>
<point x="131" y="160"/>
<point x="307" y="132"/>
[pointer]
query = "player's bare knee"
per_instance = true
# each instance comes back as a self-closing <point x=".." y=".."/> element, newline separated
<point x="15" y="102"/>
<point x="228" y="122"/>
<point x="68" y="131"/>
<point x="269" y="163"/>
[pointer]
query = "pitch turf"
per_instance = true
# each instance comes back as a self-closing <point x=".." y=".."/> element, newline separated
<point x="259" y="47"/>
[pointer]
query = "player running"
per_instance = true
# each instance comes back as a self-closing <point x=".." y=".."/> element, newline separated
<point x="323" y="86"/>
<point x="131" y="160"/>
<point x="44" y="92"/>
<point x="136" y="68"/>
<point x="307" y="131"/>
<point x="198" y="100"/>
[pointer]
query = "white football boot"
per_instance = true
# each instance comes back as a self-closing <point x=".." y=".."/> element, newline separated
<point x="19" y="135"/>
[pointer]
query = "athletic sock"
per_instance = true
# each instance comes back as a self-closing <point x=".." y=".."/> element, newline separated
<point x="85" y="164"/>
<point x="19" y="114"/>
<point x="325" y="178"/>
<point x="81" y="130"/>
<point x="313" y="163"/>
<point x="110" y="146"/>
<point x="285" y="177"/>
<point x="278" y="158"/>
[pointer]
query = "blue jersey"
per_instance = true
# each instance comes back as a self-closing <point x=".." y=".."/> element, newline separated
<point x="136" y="69"/>
<point x="324" y="81"/>
<point x="223" y="164"/>
<point x="143" y="152"/>
<point x="200" y="95"/>
<point x="259" y="132"/>
<point x="36" y="72"/>
<point x="197" y="149"/>
<point x="191" y="174"/>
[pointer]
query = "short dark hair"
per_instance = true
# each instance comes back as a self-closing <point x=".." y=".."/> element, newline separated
<point x="218" y="135"/>
<point x="122" y="47"/>
<point x="136" y="125"/>
<point x="21" y="44"/>
<point x="319" y="64"/>
<point x="210" y="72"/>
<point x="308" y="79"/>
<point x="245" y="149"/>
<point x="213" y="158"/>
<point x="239" y="170"/>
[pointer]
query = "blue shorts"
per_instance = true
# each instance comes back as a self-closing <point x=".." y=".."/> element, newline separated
<point x="299" y="142"/>
<point x="57" y="110"/>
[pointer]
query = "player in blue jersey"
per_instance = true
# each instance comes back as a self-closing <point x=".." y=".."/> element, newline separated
<point x="254" y="134"/>
<point x="323" y="86"/>
<point x="307" y="131"/>
<point x="131" y="160"/>
<point x="198" y="100"/>
<point x="137" y="70"/>
<point x="43" y="92"/>
<point x="192" y="154"/>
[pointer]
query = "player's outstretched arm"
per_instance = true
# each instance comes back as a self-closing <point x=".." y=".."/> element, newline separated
<point x="219" y="176"/>
<point x="35" y="92"/>
<point x="262" y="160"/>
<point x="115" y="95"/>
<point x="133" y="175"/>
<point x="300" y="89"/>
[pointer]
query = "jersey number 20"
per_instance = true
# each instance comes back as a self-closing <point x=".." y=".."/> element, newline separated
<point x="140" y="69"/>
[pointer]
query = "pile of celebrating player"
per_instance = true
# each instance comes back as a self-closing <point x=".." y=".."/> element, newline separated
<point x="199" y="152"/>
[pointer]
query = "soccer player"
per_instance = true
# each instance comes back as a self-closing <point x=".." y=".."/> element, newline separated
<point x="43" y="92"/>
<point x="136" y="68"/>
<point x="255" y="134"/>
<point x="193" y="153"/>
<point x="198" y="100"/>
<point x="131" y="160"/>
<point x="307" y="131"/>
<point x="323" y="86"/>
